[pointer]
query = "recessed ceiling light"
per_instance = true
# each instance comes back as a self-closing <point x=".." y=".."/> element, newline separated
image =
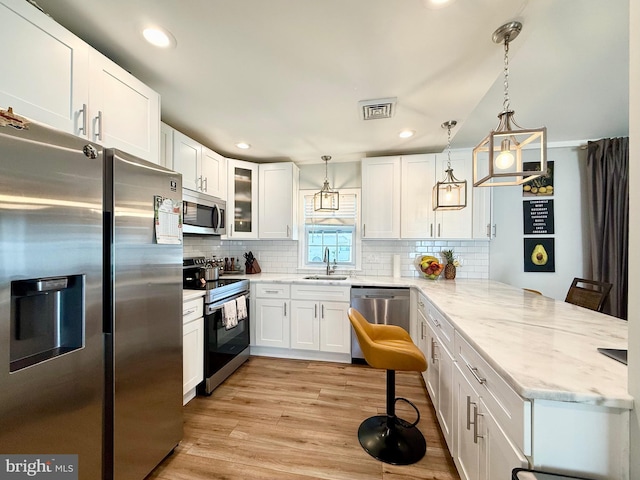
<point x="437" y="3"/>
<point x="406" y="133"/>
<point x="243" y="145"/>
<point x="159" y="37"/>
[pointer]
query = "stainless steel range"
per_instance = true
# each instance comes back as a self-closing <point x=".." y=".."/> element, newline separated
<point x="226" y="342"/>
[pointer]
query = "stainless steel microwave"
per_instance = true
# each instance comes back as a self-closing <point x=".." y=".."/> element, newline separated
<point x="203" y="214"/>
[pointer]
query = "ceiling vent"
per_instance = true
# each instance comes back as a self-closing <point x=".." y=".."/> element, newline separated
<point x="376" y="109"/>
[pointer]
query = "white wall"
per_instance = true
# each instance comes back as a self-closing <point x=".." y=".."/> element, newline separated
<point x="634" y="233"/>
<point x="507" y="249"/>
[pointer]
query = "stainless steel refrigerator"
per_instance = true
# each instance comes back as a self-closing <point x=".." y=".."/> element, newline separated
<point x="90" y="306"/>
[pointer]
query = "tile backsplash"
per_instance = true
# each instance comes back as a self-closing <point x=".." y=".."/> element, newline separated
<point x="281" y="256"/>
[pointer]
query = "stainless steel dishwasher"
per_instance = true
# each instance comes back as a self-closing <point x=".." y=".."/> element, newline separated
<point x="386" y="305"/>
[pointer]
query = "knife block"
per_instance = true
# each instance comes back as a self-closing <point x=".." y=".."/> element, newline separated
<point x="253" y="267"/>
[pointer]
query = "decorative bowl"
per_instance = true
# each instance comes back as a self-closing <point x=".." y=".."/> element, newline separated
<point x="428" y="266"/>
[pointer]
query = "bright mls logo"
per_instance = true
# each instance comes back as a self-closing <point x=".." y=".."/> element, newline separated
<point x="50" y="467"/>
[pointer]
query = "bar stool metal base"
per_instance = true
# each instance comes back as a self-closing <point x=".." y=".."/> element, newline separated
<point x="387" y="440"/>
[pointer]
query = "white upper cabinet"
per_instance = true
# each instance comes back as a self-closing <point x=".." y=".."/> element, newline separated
<point x="242" y="199"/>
<point x="483" y="227"/>
<point x="166" y="145"/>
<point x="53" y="77"/>
<point x="202" y="169"/>
<point x="187" y="156"/>
<point x="278" y="200"/>
<point x="124" y="113"/>
<point x="397" y="197"/>
<point x="214" y="173"/>
<point x="418" y="179"/>
<point x="381" y="197"/>
<point x="45" y="68"/>
<point x="454" y="223"/>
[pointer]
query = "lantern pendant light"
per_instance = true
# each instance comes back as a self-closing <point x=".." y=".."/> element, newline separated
<point x="498" y="160"/>
<point x="450" y="193"/>
<point x="326" y="199"/>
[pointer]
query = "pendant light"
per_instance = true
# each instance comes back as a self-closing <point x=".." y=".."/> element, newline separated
<point x="498" y="159"/>
<point x="326" y="199"/>
<point x="450" y="193"/>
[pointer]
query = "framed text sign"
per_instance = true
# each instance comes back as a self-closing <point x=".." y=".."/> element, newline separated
<point x="538" y="217"/>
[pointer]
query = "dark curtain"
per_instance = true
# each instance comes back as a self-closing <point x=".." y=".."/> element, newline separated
<point x="608" y="209"/>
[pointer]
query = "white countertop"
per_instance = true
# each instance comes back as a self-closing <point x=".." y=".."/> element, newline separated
<point x="191" y="294"/>
<point x="544" y="348"/>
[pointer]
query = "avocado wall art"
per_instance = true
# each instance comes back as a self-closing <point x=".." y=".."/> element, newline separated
<point x="539" y="255"/>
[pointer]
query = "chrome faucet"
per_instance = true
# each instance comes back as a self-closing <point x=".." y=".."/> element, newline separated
<point x="326" y="259"/>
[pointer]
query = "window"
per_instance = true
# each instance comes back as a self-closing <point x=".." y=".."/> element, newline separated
<point x="335" y="231"/>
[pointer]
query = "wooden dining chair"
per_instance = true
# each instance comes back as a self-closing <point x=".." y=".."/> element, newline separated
<point x="588" y="293"/>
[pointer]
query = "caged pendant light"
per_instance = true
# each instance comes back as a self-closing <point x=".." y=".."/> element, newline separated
<point x="498" y="159"/>
<point x="326" y="199"/>
<point x="450" y="193"/>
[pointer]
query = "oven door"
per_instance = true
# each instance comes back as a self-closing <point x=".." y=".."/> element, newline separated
<point x="222" y="345"/>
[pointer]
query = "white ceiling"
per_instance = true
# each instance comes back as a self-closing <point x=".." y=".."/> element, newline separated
<point x="286" y="76"/>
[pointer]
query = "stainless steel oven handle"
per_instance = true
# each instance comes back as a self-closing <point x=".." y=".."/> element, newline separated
<point x="214" y="307"/>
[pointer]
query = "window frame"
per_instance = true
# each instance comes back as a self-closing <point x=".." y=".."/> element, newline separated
<point x="302" y="234"/>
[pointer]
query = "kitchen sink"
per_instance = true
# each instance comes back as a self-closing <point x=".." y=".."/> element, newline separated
<point x="325" y="277"/>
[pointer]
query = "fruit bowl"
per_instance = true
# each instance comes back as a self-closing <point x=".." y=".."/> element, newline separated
<point x="428" y="266"/>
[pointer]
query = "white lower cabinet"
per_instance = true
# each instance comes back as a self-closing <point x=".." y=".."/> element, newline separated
<point x="320" y="326"/>
<point x="192" y="347"/>
<point x="271" y="317"/>
<point x="301" y="321"/>
<point x="272" y="322"/>
<point x="482" y="449"/>
<point x="439" y="374"/>
<point x="317" y="324"/>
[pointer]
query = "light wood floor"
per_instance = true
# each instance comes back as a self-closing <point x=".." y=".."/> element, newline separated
<point x="298" y="420"/>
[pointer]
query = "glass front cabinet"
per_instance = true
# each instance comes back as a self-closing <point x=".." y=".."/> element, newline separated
<point x="242" y="200"/>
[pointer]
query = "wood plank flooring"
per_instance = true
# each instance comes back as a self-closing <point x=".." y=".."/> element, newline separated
<point x="298" y="420"/>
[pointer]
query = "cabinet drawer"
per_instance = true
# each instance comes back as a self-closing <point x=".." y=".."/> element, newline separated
<point x="441" y="326"/>
<point x="320" y="292"/>
<point x="272" y="290"/>
<point x="512" y="412"/>
<point x="192" y="309"/>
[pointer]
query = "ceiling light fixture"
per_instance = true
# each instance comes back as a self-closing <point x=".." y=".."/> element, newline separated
<point x="498" y="159"/>
<point x="407" y="133"/>
<point x="159" y="37"/>
<point x="326" y="199"/>
<point x="243" y="145"/>
<point x="450" y="193"/>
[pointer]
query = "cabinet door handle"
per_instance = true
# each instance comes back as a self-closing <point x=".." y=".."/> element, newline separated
<point x="438" y="230"/>
<point x="322" y="310"/>
<point x="495" y="230"/>
<point x="206" y="184"/>
<point x="434" y="359"/>
<point x="489" y="230"/>
<point x="364" y="229"/>
<point x="189" y="312"/>
<point x="315" y="311"/>
<point x="98" y="133"/>
<point x="475" y="423"/>
<point x="83" y="126"/>
<point x="431" y="229"/>
<point x="271" y="291"/>
<point x="469" y="402"/>
<point x="474" y="372"/>
<point x="285" y="309"/>
<point x="288" y="231"/>
<point x="199" y="183"/>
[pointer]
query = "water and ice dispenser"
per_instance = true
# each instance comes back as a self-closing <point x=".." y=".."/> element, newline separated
<point x="47" y="319"/>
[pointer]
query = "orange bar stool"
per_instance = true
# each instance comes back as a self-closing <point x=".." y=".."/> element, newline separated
<point x="386" y="437"/>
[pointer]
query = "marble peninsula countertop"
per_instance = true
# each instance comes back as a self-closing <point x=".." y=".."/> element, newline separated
<point x="542" y="347"/>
